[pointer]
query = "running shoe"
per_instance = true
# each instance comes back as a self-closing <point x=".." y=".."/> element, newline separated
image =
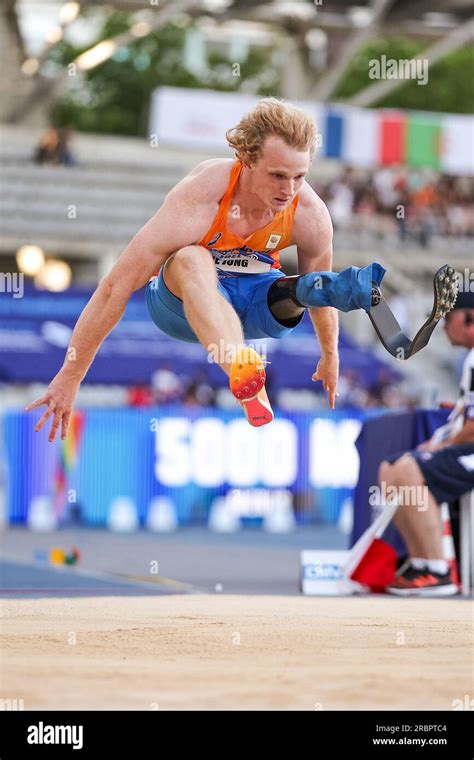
<point x="247" y="383"/>
<point x="410" y="581"/>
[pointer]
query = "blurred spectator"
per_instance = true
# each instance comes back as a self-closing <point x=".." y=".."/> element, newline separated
<point x="415" y="205"/>
<point x="53" y="147"/>
<point x="425" y="202"/>
<point x="386" y="183"/>
<point x="340" y="199"/>
<point x="139" y="395"/>
<point x="352" y="394"/>
<point x="167" y="388"/>
<point x="199" y="392"/>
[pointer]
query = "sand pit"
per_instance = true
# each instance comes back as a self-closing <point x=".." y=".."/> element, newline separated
<point x="236" y="652"/>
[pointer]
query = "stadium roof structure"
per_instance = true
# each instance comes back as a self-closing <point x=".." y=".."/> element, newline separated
<point x="346" y="26"/>
<point x="454" y="11"/>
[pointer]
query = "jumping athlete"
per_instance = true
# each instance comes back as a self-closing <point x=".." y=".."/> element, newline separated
<point x="210" y="260"/>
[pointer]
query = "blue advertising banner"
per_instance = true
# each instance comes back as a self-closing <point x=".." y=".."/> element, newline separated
<point x="191" y="456"/>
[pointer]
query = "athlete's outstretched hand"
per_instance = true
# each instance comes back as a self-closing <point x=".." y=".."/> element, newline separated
<point x="328" y="372"/>
<point x="59" y="398"/>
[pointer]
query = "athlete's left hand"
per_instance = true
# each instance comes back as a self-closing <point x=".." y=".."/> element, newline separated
<point x="328" y="372"/>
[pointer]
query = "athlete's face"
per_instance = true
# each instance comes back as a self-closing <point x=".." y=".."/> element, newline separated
<point x="279" y="173"/>
<point x="456" y="329"/>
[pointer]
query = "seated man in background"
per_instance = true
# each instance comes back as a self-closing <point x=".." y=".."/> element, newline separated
<point x="441" y="468"/>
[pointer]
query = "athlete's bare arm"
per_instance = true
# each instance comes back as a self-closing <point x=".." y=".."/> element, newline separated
<point x="186" y="214"/>
<point x="312" y="235"/>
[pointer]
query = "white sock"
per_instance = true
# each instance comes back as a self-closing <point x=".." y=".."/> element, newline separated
<point x="418" y="563"/>
<point x="440" y="566"/>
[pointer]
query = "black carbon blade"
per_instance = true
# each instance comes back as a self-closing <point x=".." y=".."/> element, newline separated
<point x="389" y="331"/>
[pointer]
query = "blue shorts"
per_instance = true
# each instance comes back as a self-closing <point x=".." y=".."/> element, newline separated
<point x="448" y="473"/>
<point x="247" y="293"/>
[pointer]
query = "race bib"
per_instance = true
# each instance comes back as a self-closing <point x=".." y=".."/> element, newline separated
<point x="247" y="263"/>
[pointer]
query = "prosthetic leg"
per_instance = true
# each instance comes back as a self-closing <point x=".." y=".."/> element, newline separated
<point x="355" y="288"/>
<point x="445" y="287"/>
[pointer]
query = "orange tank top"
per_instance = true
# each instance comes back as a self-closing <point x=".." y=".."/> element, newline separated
<point x="255" y="254"/>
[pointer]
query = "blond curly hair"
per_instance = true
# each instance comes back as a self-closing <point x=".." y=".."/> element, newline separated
<point x="272" y="116"/>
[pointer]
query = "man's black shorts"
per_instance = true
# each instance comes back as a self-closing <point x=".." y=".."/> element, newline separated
<point x="449" y="473"/>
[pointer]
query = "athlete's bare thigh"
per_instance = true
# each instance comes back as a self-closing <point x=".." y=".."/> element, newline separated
<point x="192" y="264"/>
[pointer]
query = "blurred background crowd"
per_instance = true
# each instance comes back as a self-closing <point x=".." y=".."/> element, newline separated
<point x="398" y="204"/>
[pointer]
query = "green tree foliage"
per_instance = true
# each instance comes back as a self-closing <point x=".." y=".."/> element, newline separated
<point x="449" y="87"/>
<point x="115" y="96"/>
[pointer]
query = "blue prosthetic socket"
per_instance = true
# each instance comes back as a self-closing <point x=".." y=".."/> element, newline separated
<point x="348" y="290"/>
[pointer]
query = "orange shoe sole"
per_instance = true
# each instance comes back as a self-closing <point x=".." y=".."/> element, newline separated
<point x="247" y="381"/>
<point x="258" y="410"/>
<point x="247" y="374"/>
